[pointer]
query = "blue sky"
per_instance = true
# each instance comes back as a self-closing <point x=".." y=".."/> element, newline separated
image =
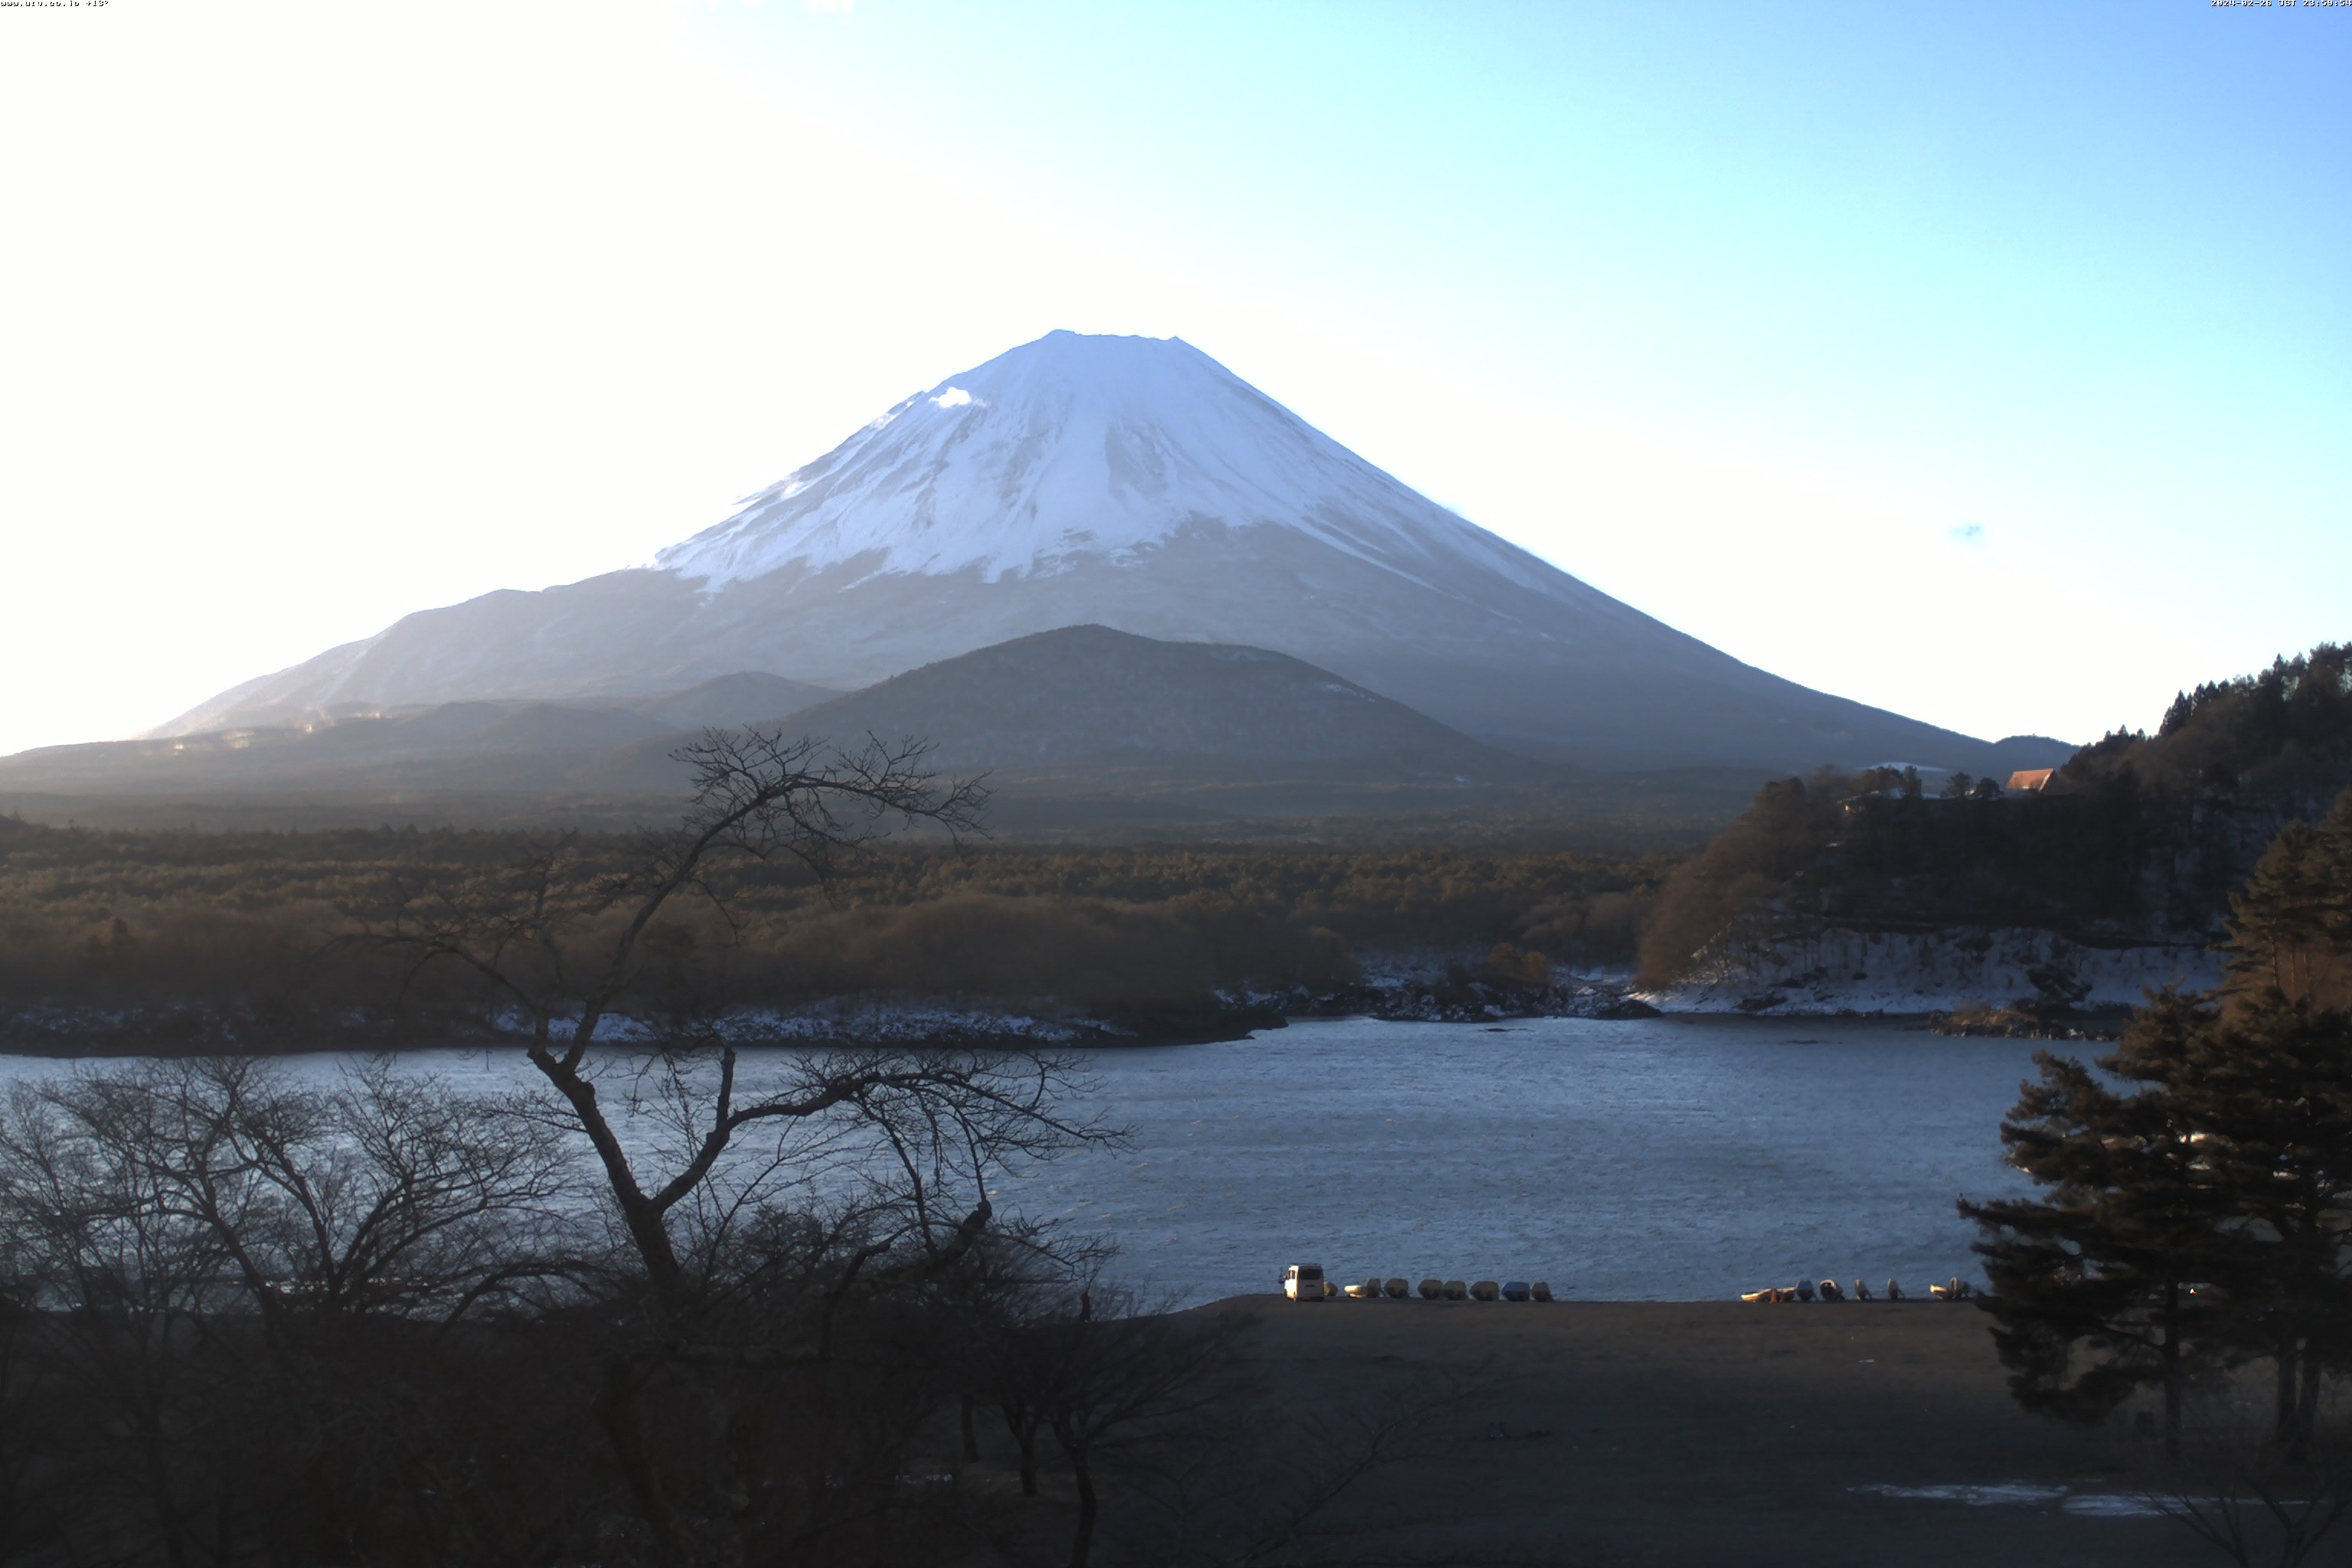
<point x="1989" y="364"/>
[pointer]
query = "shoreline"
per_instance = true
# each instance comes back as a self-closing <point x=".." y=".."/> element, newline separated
<point x="1424" y="985"/>
<point x="182" y="1032"/>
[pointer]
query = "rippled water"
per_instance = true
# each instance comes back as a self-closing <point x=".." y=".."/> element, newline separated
<point x="1673" y="1159"/>
<point x="1665" y="1157"/>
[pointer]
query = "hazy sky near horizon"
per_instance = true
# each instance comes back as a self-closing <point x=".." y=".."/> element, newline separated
<point x="1989" y="364"/>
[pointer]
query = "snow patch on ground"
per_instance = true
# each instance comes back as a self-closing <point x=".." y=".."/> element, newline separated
<point x="855" y="1020"/>
<point x="1839" y="971"/>
<point x="2024" y="1494"/>
<point x="178" y="1028"/>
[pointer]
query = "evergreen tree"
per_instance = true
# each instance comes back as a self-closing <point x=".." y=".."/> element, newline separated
<point x="2203" y="1216"/>
<point x="2269" y="1087"/>
<point x="2279" y="921"/>
<point x="2290" y="928"/>
<point x="2094" y="1291"/>
<point x="2332" y="855"/>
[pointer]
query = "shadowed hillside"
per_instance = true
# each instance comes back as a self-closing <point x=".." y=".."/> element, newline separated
<point x="1088" y="692"/>
<point x="1083" y="727"/>
<point x="2139" y="838"/>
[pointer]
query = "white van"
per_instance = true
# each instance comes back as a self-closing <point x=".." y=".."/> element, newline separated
<point x="1305" y="1282"/>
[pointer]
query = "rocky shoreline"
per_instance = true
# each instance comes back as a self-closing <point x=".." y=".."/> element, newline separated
<point x="1977" y="1021"/>
<point x="1402" y="988"/>
<point x="204" y="1029"/>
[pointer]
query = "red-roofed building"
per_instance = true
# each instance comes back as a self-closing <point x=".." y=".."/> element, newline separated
<point x="2031" y="781"/>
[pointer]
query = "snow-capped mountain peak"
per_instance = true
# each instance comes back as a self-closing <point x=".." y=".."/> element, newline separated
<point x="1072" y="446"/>
<point x="1129" y="483"/>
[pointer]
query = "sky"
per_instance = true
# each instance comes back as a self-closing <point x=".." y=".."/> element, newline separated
<point x="1991" y="364"/>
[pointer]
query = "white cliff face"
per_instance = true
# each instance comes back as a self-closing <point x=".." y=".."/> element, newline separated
<point x="1078" y="448"/>
<point x="1836" y="970"/>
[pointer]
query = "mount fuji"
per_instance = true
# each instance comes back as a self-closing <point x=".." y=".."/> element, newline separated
<point x="1130" y="483"/>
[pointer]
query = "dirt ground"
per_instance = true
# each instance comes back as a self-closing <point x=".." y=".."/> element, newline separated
<point x="1704" y="1432"/>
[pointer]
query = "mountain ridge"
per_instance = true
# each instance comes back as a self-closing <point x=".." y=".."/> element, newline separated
<point x="1078" y="711"/>
<point x="1135" y="484"/>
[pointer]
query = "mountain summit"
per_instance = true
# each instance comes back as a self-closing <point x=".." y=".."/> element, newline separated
<point x="1074" y="447"/>
<point x="1132" y="483"/>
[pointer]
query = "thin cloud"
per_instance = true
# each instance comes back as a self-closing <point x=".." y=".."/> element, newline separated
<point x="1970" y="533"/>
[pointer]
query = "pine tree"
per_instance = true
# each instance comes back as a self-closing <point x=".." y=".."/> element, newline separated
<point x="2290" y="928"/>
<point x="2203" y="1216"/>
<point x="2333" y="861"/>
<point x="2272" y="1077"/>
<point x="2279" y="920"/>
<point x="2095" y="1285"/>
<point x="2269" y="1088"/>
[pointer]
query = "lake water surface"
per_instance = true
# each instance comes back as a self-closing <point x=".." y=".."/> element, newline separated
<point x="1665" y="1157"/>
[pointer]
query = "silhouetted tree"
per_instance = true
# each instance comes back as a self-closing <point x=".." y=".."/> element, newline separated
<point x="753" y="1213"/>
<point x="2093" y="1284"/>
<point x="229" y="1278"/>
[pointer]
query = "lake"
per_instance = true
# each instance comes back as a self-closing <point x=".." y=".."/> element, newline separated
<point x="1673" y="1159"/>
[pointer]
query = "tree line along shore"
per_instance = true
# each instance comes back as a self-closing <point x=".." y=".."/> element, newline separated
<point x="151" y="936"/>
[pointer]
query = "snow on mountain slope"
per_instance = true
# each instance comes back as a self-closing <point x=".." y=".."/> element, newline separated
<point x="1074" y="446"/>
<point x="1132" y="483"/>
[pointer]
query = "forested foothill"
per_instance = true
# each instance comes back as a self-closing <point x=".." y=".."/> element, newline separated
<point x="177" y="939"/>
<point x="2138" y="838"/>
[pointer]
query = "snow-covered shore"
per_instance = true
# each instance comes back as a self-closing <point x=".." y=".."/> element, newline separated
<point x="194" y="1028"/>
<point x="1837" y="971"/>
<point x="1834" y="973"/>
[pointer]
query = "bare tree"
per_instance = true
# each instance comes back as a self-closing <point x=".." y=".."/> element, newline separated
<point x="2254" y="1497"/>
<point x="386" y="1192"/>
<point x="1114" y="1376"/>
<point x="1179" y="1457"/>
<point x="1066" y="1354"/>
<point x="236" y="1291"/>
<point x="120" y="1288"/>
<point x="753" y="1206"/>
<point x="561" y="945"/>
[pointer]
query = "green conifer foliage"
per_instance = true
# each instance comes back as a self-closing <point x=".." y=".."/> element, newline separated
<point x="2095" y="1284"/>
<point x="2290" y="928"/>
<point x="2269" y="1087"/>
<point x="2197" y="1203"/>
<point x="2278" y="923"/>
